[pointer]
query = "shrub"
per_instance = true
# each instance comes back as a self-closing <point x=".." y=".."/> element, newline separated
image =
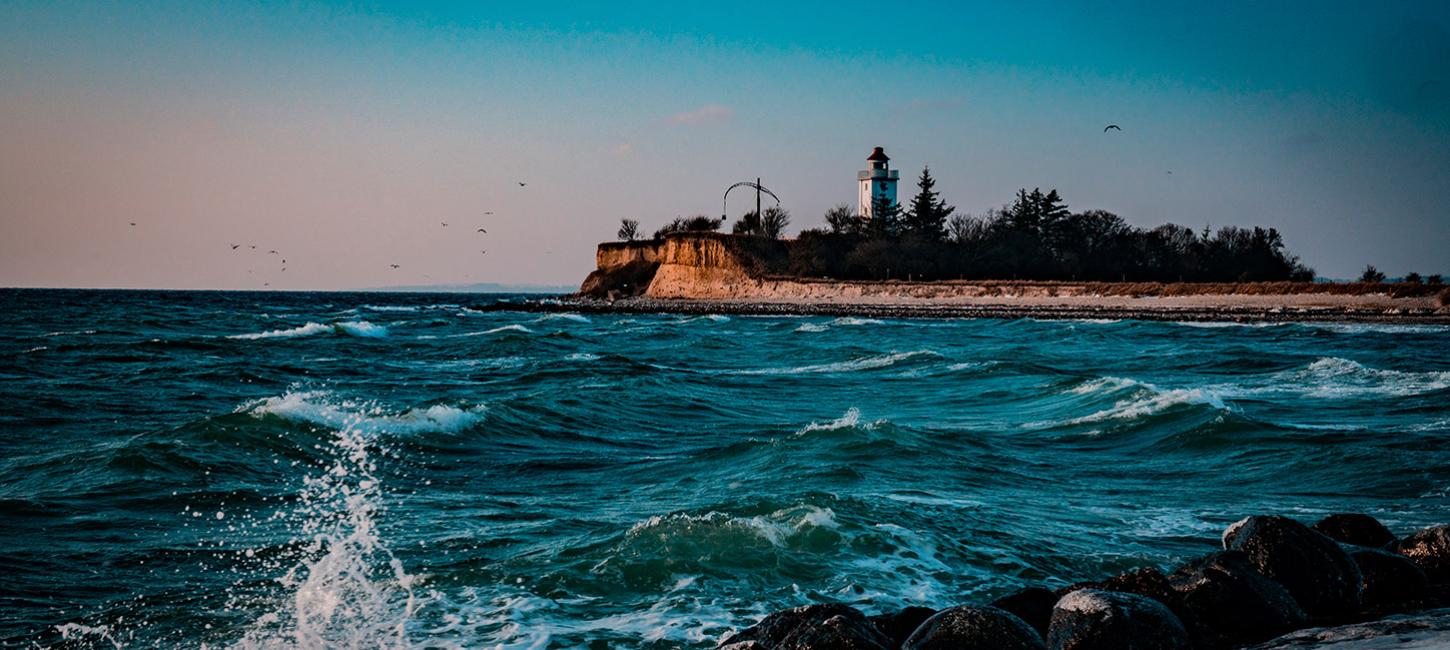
<point x="1371" y="275"/>
<point x="1413" y="278"/>
<point x="628" y="230"/>
<point x="697" y="223"/>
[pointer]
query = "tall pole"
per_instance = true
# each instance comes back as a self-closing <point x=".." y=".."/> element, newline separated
<point x="759" y="218"/>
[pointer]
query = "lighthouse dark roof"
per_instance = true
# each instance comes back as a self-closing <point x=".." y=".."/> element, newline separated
<point x="878" y="154"/>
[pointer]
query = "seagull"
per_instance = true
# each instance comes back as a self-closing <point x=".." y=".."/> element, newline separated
<point x="284" y="269"/>
<point x="284" y="261"/>
<point x="253" y="247"/>
<point x="266" y="284"/>
<point x="483" y="231"/>
<point x="521" y="183"/>
<point x="272" y="252"/>
<point x="482" y="252"/>
<point x="236" y="246"/>
<point x="445" y="223"/>
<point x="1112" y="126"/>
<point x="133" y="223"/>
<point x="1170" y="171"/>
<point x="393" y="265"/>
<point x="489" y="212"/>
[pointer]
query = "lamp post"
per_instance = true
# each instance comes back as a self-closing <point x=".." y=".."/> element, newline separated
<point x="759" y="189"/>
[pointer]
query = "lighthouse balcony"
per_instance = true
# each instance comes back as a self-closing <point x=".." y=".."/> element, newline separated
<point x="870" y="174"/>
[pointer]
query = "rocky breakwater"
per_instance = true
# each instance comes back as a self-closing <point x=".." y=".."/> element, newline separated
<point x="1346" y="582"/>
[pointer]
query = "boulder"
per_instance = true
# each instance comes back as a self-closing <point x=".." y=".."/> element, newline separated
<point x="973" y="628"/>
<point x="1090" y="619"/>
<point x="1227" y="602"/>
<point x="1320" y="575"/>
<point x="811" y="626"/>
<point x="1032" y="604"/>
<point x="1357" y="529"/>
<point x="1148" y="582"/>
<point x="898" y="626"/>
<point x="1430" y="550"/>
<point x="1386" y="578"/>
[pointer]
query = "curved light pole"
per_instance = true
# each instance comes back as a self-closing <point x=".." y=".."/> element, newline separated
<point x="758" y="189"/>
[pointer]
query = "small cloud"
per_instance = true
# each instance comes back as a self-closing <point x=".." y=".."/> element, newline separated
<point x="622" y="150"/>
<point x="707" y="114"/>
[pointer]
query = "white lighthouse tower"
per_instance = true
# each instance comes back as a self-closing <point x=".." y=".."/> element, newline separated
<point x="878" y="182"/>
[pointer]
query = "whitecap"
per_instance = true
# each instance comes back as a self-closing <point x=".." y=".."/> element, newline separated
<point x="851" y="419"/>
<point x="351" y="328"/>
<point x="863" y="363"/>
<point x="1335" y="377"/>
<point x="317" y="407"/>
<point x="508" y="328"/>
<point x="812" y="327"/>
<point x="854" y="321"/>
<point x="577" y="318"/>
<point x="1155" y="401"/>
<point x="582" y="356"/>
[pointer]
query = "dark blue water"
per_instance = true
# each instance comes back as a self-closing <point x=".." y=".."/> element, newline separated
<point x="365" y="470"/>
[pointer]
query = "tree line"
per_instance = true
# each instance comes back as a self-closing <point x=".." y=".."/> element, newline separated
<point x="1035" y="237"/>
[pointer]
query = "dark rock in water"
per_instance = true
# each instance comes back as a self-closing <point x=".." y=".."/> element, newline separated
<point x="1430" y="550"/>
<point x="1320" y="575"/>
<point x="1033" y="605"/>
<point x="1148" y="582"/>
<point x="1388" y="578"/>
<point x="1090" y="619"/>
<point x="1226" y="601"/>
<point x="1357" y="529"/>
<point x="898" y="626"/>
<point x="973" y="628"/>
<point x="1423" y="630"/>
<point x="810" y="627"/>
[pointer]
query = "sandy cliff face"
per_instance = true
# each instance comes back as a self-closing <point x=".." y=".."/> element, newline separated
<point x="701" y="268"/>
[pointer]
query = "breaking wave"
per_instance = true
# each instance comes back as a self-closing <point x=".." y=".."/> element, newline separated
<point x="360" y="328"/>
<point x="315" y="407"/>
<point x="862" y="363"/>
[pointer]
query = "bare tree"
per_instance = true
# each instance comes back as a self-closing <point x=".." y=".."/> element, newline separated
<point x="628" y="230"/>
<point x="843" y="220"/>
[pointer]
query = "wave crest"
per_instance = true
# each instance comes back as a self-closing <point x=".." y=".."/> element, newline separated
<point x="358" y="328"/>
<point x="314" y="407"/>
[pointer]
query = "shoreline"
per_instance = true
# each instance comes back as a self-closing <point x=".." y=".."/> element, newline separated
<point x="1123" y="310"/>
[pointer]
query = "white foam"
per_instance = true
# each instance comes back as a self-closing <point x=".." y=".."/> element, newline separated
<point x="508" y="328"/>
<point x="852" y="321"/>
<point x="582" y="356"/>
<point x="812" y="327"/>
<point x="351" y="328"/>
<point x="343" y="588"/>
<point x="1147" y="399"/>
<point x="79" y="632"/>
<point x="577" y="318"/>
<point x="316" y="407"/>
<point x="851" y="419"/>
<point x="776" y="528"/>
<point x="863" y="363"/>
<point x="1338" y="378"/>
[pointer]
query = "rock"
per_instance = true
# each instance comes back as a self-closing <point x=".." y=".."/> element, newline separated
<point x="1357" y="529"/>
<point x="1320" y="575"/>
<point x="1420" y="631"/>
<point x="973" y="628"/>
<point x="898" y="626"/>
<point x="810" y="627"/>
<point x="1148" y="582"/>
<point x="1388" y="578"/>
<point x="1090" y="619"/>
<point x="1033" y="605"/>
<point x="1430" y="550"/>
<point x="1226" y="601"/>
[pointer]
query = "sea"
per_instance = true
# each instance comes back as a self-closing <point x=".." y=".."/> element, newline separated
<point x="376" y="470"/>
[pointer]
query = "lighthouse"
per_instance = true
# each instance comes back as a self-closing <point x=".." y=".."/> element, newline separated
<point x="876" y="183"/>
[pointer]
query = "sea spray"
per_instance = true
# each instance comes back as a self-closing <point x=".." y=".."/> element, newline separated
<point x="344" y="588"/>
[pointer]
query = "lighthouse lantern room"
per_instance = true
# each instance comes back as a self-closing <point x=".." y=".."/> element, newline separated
<point x="876" y="183"/>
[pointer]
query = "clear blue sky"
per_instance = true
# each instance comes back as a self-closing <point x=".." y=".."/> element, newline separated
<point x="344" y="135"/>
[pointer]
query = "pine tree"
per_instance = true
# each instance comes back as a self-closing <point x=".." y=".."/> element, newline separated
<point x="885" y="222"/>
<point x="928" y="214"/>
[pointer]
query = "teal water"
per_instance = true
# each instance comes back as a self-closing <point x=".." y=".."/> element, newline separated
<point x="183" y="469"/>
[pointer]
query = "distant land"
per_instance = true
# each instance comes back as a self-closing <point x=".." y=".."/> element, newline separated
<point x="477" y="287"/>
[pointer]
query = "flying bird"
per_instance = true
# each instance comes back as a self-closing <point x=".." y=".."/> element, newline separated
<point x="284" y="261"/>
<point x="1112" y="126"/>
<point x="483" y="231"/>
<point x="272" y="252"/>
<point x="445" y="223"/>
<point x="393" y="265"/>
<point x="133" y="223"/>
<point x="521" y="183"/>
<point x="253" y="247"/>
<point x="489" y="212"/>
<point x="236" y="246"/>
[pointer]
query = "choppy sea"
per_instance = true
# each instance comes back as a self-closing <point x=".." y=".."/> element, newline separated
<point x="277" y="470"/>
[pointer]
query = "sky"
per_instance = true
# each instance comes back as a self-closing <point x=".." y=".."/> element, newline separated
<point x="343" y="135"/>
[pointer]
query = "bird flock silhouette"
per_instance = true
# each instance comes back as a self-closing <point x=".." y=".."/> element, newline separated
<point x="283" y="260"/>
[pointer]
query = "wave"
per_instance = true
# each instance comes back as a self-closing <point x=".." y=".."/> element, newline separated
<point x="582" y="356"/>
<point x="863" y="363"/>
<point x="315" y="407"/>
<point x="852" y="321"/>
<point x="1335" y="377"/>
<point x="1145" y="400"/>
<point x="850" y="420"/>
<point x="812" y="327"/>
<point x="359" y="328"/>
<point x="508" y="328"/>
<point x="577" y="318"/>
<point x="776" y="529"/>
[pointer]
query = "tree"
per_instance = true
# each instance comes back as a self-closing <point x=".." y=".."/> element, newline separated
<point x="1434" y="279"/>
<point x="773" y="224"/>
<point x="628" y="230"/>
<point x="1372" y="275"/>
<point x="843" y="220"/>
<point x="697" y="223"/>
<point x="927" y="216"/>
<point x="885" y="221"/>
<point x="1413" y="278"/>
